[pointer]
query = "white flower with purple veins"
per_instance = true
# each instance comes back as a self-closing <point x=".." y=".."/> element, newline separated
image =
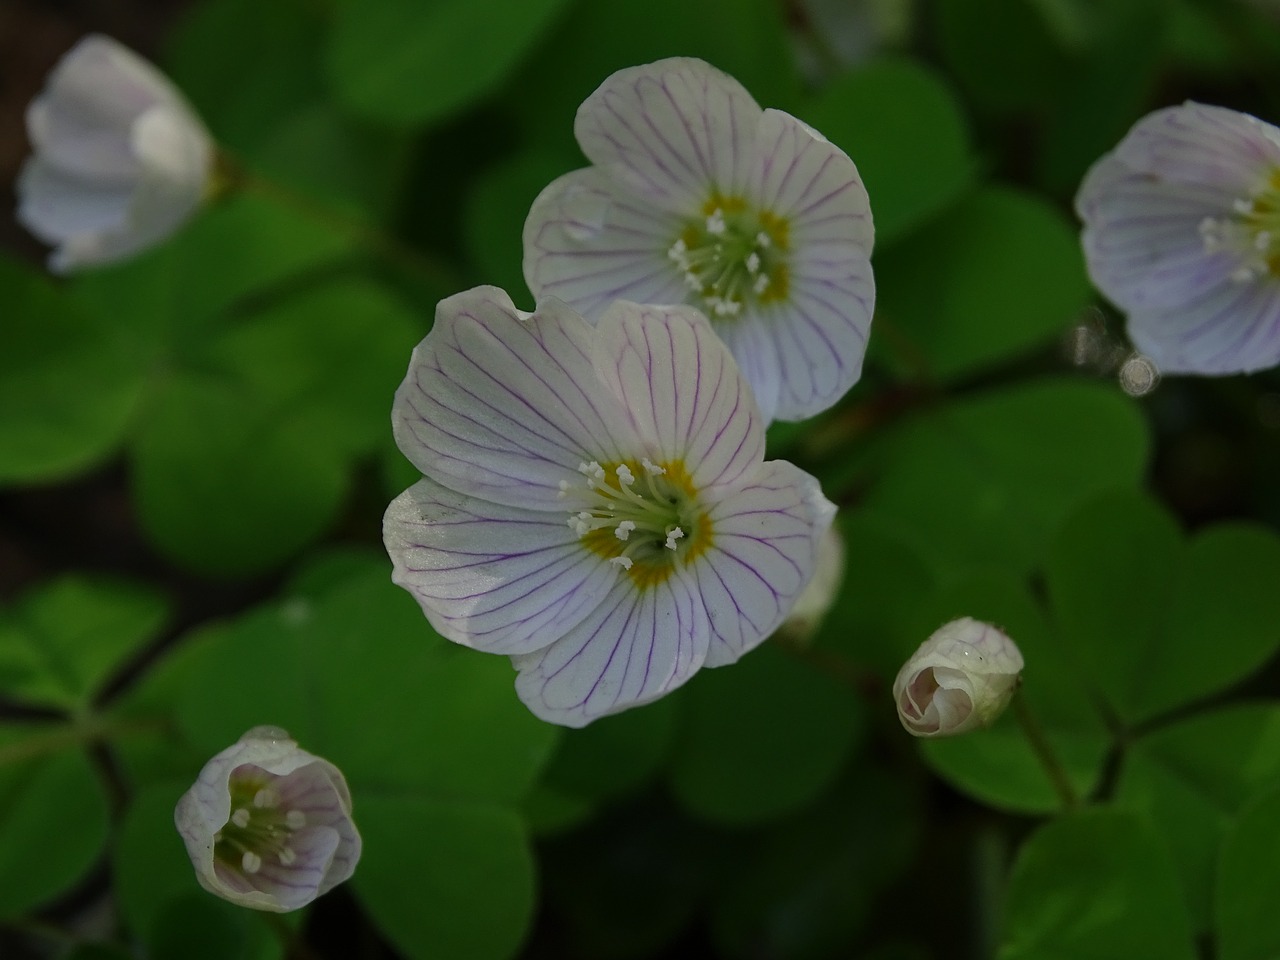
<point x="960" y="679"/>
<point x="1182" y="232"/>
<point x="268" y="825"/>
<point x="120" y="160"/>
<point x="595" y="503"/>
<point x="698" y="196"/>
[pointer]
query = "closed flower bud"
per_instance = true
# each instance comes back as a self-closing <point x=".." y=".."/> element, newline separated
<point x="120" y="160"/>
<point x="268" y="825"/>
<point x="816" y="599"/>
<point x="960" y="679"/>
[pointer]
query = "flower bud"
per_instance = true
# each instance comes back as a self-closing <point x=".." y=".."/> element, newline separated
<point x="268" y="825"/>
<point x="120" y="160"/>
<point x="961" y="678"/>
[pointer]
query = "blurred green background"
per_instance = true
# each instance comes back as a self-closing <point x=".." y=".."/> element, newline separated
<point x="195" y="455"/>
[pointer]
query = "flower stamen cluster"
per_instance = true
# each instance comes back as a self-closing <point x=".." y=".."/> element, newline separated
<point x="643" y="525"/>
<point x="732" y="256"/>
<point x="257" y="829"/>
<point x="1252" y="232"/>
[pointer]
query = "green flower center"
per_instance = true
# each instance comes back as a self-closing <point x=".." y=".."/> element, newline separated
<point x="644" y="517"/>
<point x="1252" y="232"/>
<point x="732" y="255"/>
<point x="258" y="828"/>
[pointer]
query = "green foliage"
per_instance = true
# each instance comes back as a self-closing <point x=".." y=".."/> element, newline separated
<point x="1248" y="871"/>
<point x="60" y="643"/>
<point x="904" y="129"/>
<point x="53" y="825"/>
<point x="1094" y="884"/>
<point x="68" y="382"/>
<point x="1004" y="276"/>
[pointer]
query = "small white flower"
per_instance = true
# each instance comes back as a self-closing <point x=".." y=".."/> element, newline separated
<point x="120" y="159"/>
<point x="698" y="196"/>
<point x="268" y="825"/>
<point x="960" y="679"/>
<point x="542" y="440"/>
<point x="1182" y="232"/>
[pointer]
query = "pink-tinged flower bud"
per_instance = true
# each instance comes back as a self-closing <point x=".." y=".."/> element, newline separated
<point x="961" y="678"/>
<point x="268" y="825"/>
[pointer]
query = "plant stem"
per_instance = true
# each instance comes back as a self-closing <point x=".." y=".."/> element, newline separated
<point x="1044" y="752"/>
<point x="88" y="729"/>
<point x="294" y="947"/>
<point x="233" y="176"/>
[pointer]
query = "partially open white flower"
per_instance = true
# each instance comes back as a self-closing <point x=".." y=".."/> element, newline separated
<point x="268" y="825"/>
<point x="120" y="159"/>
<point x="960" y="679"/>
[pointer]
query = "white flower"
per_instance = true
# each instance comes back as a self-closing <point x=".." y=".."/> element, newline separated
<point x="268" y="825"/>
<point x="698" y="196"/>
<point x="959" y="679"/>
<point x="1182" y="231"/>
<point x="595" y="503"/>
<point x="120" y="159"/>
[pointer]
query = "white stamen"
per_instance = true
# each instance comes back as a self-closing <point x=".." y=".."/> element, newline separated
<point x="678" y="250"/>
<point x="265" y="798"/>
<point x="623" y="562"/>
<point x="762" y="240"/>
<point x="625" y="476"/>
<point x="1262" y="241"/>
<point x="624" y="529"/>
<point x="564" y="487"/>
<point x="251" y="862"/>
<point x="1243" y="206"/>
<point x="715" y="222"/>
<point x="295" y="819"/>
<point x="674" y="534"/>
<point x="287" y="856"/>
<point x="652" y="468"/>
<point x="1242" y="275"/>
<point x="240" y="818"/>
<point x="753" y="263"/>
<point x="762" y="282"/>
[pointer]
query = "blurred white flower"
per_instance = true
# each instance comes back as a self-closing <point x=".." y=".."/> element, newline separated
<point x="595" y="501"/>
<point x="120" y="159"/>
<point x="698" y="196"/>
<point x="1182" y="232"/>
<point x="268" y="825"/>
<point x="828" y="574"/>
<point x="960" y="679"/>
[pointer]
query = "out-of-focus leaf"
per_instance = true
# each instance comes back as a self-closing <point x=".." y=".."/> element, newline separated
<point x="614" y="754"/>
<point x="1161" y="623"/>
<point x="761" y="739"/>
<point x="408" y="62"/>
<point x="69" y="381"/>
<point x="1005" y="275"/>
<point x="62" y="641"/>
<point x="1097" y="883"/>
<point x="986" y="480"/>
<point x="904" y="129"/>
<point x="809" y="884"/>
<point x="53" y="826"/>
<point x="1248" y="876"/>
<point x="445" y="879"/>
<point x="1192" y="778"/>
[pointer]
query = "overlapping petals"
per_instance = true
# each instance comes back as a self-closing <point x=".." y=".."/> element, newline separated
<point x="1182" y="231"/>
<point x="699" y="196"/>
<point x="595" y="503"/>
<point x="120" y="159"/>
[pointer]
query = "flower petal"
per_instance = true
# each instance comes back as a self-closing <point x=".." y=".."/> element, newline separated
<point x="682" y="390"/>
<point x="503" y="404"/>
<point x="1231" y="328"/>
<point x="589" y="242"/>
<point x="320" y="792"/>
<point x="55" y="205"/>
<point x="819" y="338"/>
<point x="502" y="579"/>
<point x="636" y="646"/>
<point x="766" y="535"/>
<point x="674" y="131"/>
<point x="1142" y="236"/>
<point x="756" y="355"/>
<point x="1198" y="143"/>
<point x="811" y="183"/>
